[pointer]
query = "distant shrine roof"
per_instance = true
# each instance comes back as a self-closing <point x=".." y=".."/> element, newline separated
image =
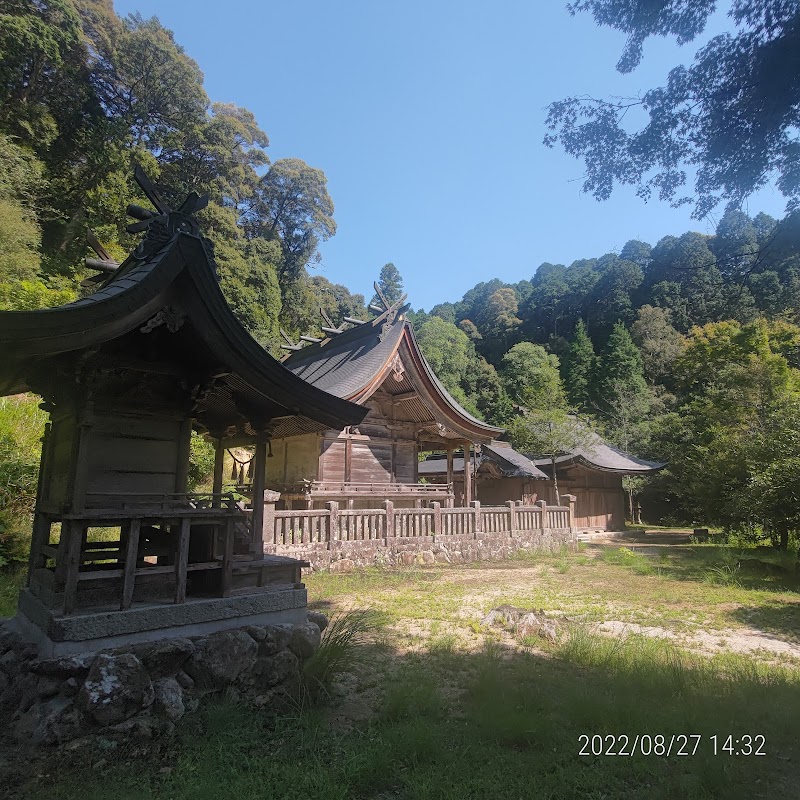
<point x="508" y="461"/>
<point x="600" y="455"/>
<point x="168" y="289"/>
<point x="352" y="364"/>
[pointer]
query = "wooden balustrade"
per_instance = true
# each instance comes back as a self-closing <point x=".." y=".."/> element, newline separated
<point x="154" y="539"/>
<point x="323" y="526"/>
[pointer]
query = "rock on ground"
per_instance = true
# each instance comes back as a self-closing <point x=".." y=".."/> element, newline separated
<point x="115" y="689"/>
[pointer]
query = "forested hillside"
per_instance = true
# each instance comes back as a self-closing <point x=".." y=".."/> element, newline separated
<point x="85" y="95"/>
<point x="685" y="351"/>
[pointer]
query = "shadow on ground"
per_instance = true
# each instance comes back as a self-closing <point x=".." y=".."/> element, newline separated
<point x="447" y="725"/>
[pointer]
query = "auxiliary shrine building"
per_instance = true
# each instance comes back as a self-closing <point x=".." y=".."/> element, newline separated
<point x="122" y="550"/>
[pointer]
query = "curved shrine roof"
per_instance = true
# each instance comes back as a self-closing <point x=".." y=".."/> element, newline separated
<point x="600" y="455"/>
<point x="353" y="364"/>
<point x="179" y="276"/>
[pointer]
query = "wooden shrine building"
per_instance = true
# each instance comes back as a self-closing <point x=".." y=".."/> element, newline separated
<point x="594" y="475"/>
<point x="499" y="472"/>
<point x="378" y="365"/>
<point x="121" y="549"/>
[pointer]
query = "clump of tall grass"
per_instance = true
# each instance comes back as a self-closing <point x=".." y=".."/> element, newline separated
<point x="340" y="650"/>
<point x="625" y="557"/>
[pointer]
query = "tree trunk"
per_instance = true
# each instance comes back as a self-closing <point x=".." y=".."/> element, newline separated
<point x="555" y="480"/>
<point x="784" y="543"/>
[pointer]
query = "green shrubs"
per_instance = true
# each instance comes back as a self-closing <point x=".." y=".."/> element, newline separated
<point x="21" y="427"/>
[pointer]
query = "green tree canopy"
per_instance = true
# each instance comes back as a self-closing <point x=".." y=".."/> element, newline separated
<point x="731" y="116"/>
<point x="531" y="377"/>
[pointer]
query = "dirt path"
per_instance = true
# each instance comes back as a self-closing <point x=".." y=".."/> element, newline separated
<point x="736" y="640"/>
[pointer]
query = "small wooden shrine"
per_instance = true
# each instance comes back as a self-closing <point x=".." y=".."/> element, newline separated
<point x="499" y="472"/>
<point x="121" y="548"/>
<point x="378" y="365"/>
<point x="594" y="475"/>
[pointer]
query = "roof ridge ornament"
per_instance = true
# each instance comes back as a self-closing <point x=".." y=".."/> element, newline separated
<point x="159" y="227"/>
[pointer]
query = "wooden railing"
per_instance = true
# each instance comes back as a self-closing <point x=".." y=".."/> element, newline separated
<point x="332" y="524"/>
<point x="165" y="521"/>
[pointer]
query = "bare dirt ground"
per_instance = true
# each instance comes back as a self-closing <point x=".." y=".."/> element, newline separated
<point x="653" y="596"/>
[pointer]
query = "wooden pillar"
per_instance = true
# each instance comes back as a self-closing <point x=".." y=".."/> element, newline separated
<point x="259" y="479"/>
<point x="73" y="531"/>
<point x="437" y="518"/>
<point x="184" y="453"/>
<point x="389" y="508"/>
<point x="478" y="519"/>
<point x="182" y="560"/>
<point x="512" y="510"/>
<point x="467" y="474"/>
<point x="543" y="511"/>
<point x="571" y="500"/>
<point x="450" y="467"/>
<point x="131" y="559"/>
<point x="333" y="521"/>
<point x="219" y="466"/>
<point x="227" y="557"/>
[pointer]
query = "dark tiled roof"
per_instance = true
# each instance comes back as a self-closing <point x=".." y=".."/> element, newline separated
<point x="347" y="365"/>
<point x="511" y="463"/>
<point x="180" y="273"/>
<point x="515" y="463"/>
<point x="600" y="455"/>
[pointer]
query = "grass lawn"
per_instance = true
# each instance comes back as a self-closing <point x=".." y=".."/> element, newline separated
<point x="440" y="707"/>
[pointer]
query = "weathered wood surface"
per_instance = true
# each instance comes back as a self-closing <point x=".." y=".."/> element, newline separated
<point x="333" y="524"/>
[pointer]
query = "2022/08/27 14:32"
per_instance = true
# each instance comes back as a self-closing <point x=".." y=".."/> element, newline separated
<point x="663" y="745"/>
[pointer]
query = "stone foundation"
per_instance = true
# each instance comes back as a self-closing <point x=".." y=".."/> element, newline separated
<point x="339" y="556"/>
<point x="58" y="635"/>
<point x="142" y="690"/>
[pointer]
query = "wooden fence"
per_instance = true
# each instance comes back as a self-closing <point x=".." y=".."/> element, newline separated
<point x="332" y="524"/>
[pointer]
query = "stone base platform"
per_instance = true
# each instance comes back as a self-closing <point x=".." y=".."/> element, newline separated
<point x="88" y="631"/>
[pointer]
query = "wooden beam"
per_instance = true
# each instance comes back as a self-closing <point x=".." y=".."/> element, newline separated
<point x="354" y="321"/>
<point x="131" y="557"/>
<point x="467" y="475"/>
<point x="227" y="556"/>
<point x="103" y="266"/>
<point x="386" y="303"/>
<point x="182" y="560"/>
<point x="312" y="339"/>
<point x="259" y="480"/>
<point x="450" y="466"/>
<point x="403" y="396"/>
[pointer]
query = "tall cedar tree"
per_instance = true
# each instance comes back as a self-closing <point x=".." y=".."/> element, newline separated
<point x="579" y="367"/>
<point x="390" y="283"/>
<point x="621" y="394"/>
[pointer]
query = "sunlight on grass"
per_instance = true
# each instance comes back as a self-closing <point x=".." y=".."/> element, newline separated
<point x="463" y="711"/>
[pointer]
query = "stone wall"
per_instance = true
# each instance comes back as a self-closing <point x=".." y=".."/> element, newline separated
<point x="143" y="690"/>
<point x="342" y="556"/>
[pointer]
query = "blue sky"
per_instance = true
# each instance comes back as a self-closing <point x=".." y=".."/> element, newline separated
<point x="428" y="118"/>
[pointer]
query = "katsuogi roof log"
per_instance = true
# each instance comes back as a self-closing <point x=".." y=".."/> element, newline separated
<point x="162" y="311"/>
